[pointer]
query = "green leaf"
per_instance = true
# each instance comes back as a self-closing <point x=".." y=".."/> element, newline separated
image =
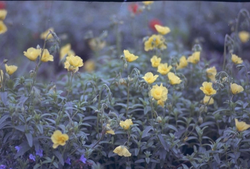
<point x="24" y="147"/>
<point x="29" y="138"/>
<point x="164" y="144"/>
<point x="40" y="128"/>
<point x="59" y="156"/>
<point x="146" y="130"/>
<point x="55" y="164"/>
<point x="36" y="166"/>
<point x="4" y="98"/>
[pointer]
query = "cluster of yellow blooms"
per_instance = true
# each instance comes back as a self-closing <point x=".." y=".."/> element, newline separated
<point x="3" y="27"/>
<point x="33" y="53"/>
<point x="207" y="87"/>
<point x="157" y="41"/>
<point x="11" y="68"/>
<point x="121" y="150"/>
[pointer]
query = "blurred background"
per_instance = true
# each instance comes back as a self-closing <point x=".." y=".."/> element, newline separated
<point x="79" y="22"/>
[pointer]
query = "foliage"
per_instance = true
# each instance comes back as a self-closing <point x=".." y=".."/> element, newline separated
<point x="115" y="117"/>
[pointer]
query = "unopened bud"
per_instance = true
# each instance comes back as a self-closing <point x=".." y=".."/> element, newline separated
<point x="200" y="119"/>
<point x="159" y="119"/>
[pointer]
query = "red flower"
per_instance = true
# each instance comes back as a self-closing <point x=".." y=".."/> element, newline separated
<point x="154" y="22"/>
<point x="133" y="8"/>
<point x="2" y="5"/>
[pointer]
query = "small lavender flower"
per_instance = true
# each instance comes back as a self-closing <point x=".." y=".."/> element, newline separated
<point x="39" y="152"/>
<point x="2" y="166"/>
<point x="68" y="161"/>
<point x="83" y="159"/>
<point x="32" y="157"/>
<point x="17" y="148"/>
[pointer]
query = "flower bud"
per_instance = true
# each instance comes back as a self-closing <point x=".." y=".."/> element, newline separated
<point x="159" y="119"/>
<point x="200" y="119"/>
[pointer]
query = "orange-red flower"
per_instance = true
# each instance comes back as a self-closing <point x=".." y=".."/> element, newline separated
<point x="134" y="8"/>
<point x="154" y="22"/>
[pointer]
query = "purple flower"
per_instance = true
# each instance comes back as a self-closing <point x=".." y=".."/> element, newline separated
<point x="68" y="161"/>
<point x="2" y="166"/>
<point x="17" y="148"/>
<point x="32" y="157"/>
<point x="39" y="152"/>
<point x="83" y="159"/>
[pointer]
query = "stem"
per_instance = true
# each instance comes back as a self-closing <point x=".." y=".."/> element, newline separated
<point x="127" y="100"/>
<point x="224" y="53"/>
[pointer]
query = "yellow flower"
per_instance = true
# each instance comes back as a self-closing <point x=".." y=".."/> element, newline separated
<point x="208" y="89"/>
<point x="173" y="79"/>
<point x="32" y="53"/>
<point x="206" y="99"/>
<point x="161" y="103"/>
<point x="89" y="66"/>
<point x="109" y="130"/>
<point x="159" y="92"/>
<point x="73" y="63"/>
<point x="236" y="59"/>
<point x="155" y="41"/>
<point x="46" y="56"/>
<point x="59" y="139"/>
<point x="147" y="2"/>
<point x="163" y="68"/>
<point x="235" y="89"/>
<point x="3" y="27"/>
<point x="182" y="63"/>
<point x="44" y="34"/>
<point x="66" y="50"/>
<point x="194" y="58"/>
<point x="244" y="36"/>
<point x="150" y="78"/>
<point x="129" y="57"/>
<point x="122" y="151"/>
<point x="211" y="73"/>
<point x="155" y="61"/>
<point x="162" y="29"/>
<point x="126" y="124"/>
<point x="3" y="14"/>
<point x="10" y="69"/>
<point x="241" y="126"/>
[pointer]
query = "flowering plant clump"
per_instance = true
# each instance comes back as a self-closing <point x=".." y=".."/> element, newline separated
<point x="160" y="104"/>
